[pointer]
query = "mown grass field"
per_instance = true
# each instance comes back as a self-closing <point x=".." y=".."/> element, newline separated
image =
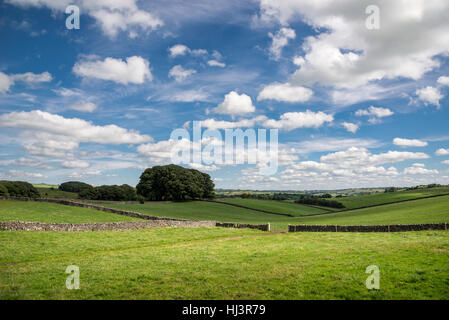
<point x="31" y="211"/>
<point x="211" y="263"/>
<point x="276" y="206"/>
<point x="431" y="210"/>
<point x="201" y="210"/>
<point x="56" y="194"/>
<point x="382" y="198"/>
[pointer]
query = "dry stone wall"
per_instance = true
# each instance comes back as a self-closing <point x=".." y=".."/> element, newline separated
<point x="38" y="226"/>
<point x="384" y="228"/>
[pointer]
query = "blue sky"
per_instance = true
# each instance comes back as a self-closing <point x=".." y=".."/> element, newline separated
<point x="355" y="107"/>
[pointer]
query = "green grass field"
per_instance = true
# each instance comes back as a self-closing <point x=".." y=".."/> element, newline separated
<point x="45" y="186"/>
<point x="211" y="263"/>
<point x="414" y="212"/>
<point x="56" y="194"/>
<point x="200" y="210"/>
<point x="31" y="211"/>
<point x="382" y="198"/>
<point x="276" y="206"/>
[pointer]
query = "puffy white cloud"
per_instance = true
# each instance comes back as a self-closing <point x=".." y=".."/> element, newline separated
<point x="285" y="92"/>
<point x="362" y="157"/>
<point x="112" y="15"/>
<point x="350" y="127"/>
<point x="287" y="121"/>
<point x="409" y="142"/>
<point x="179" y="73"/>
<point x="243" y="123"/>
<point x="332" y="144"/>
<point x="75" y="164"/>
<point x="443" y="81"/>
<point x="280" y="40"/>
<point x="178" y="50"/>
<point x="293" y="120"/>
<point x="442" y="152"/>
<point x="235" y="104"/>
<point x="445" y="162"/>
<point x="6" y="81"/>
<point x="26" y="162"/>
<point x="419" y="168"/>
<point x="30" y="77"/>
<point x="83" y="106"/>
<point x="430" y="95"/>
<point x="346" y="54"/>
<point x="202" y="167"/>
<point x="187" y="96"/>
<point x="215" y="63"/>
<point x="13" y="174"/>
<point x="375" y="112"/>
<point x="162" y="151"/>
<point x="182" y="50"/>
<point x="134" y="70"/>
<point x="78" y="129"/>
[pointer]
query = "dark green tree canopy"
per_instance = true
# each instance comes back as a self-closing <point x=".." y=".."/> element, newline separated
<point x="172" y="182"/>
<point x="74" y="186"/>
<point x="111" y="193"/>
<point x="19" y="189"/>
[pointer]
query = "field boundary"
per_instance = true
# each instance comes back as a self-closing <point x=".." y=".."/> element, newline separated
<point x="155" y="221"/>
<point x="379" y="228"/>
<point x="375" y="205"/>
<point x="129" y="225"/>
<point x="95" y="207"/>
<point x="249" y="208"/>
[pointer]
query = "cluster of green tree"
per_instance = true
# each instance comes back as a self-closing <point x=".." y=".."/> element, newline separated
<point x="111" y="193"/>
<point x="391" y="190"/>
<point x="265" y="196"/>
<point x="172" y="182"/>
<point x="18" y="189"/>
<point x="428" y="186"/>
<point x="319" y="201"/>
<point x="74" y="186"/>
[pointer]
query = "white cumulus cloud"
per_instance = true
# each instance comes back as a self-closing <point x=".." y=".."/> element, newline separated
<point x="285" y="92"/>
<point x="409" y="142"/>
<point x="133" y="70"/>
<point x="235" y="104"/>
<point x="179" y="73"/>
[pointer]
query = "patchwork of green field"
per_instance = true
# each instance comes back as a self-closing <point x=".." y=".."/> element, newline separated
<point x="211" y="263"/>
<point x="46" y="186"/>
<point x="430" y="210"/>
<point x="276" y="206"/>
<point x="31" y="211"/>
<point x="201" y="210"/>
<point x="56" y="194"/>
<point x="381" y="198"/>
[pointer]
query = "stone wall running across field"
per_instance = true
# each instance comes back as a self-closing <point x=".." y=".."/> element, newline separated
<point x="92" y="206"/>
<point x="384" y="228"/>
<point x="263" y="227"/>
<point x="38" y="226"/>
<point x="155" y="221"/>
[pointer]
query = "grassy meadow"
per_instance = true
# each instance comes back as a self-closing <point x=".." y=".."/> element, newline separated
<point x="276" y="206"/>
<point x="30" y="211"/>
<point x="430" y="210"/>
<point x="222" y="263"/>
<point x="382" y="198"/>
<point x="218" y="263"/>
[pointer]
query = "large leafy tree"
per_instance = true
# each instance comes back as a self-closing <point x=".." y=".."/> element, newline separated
<point x="172" y="182"/>
<point x="74" y="186"/>
<point x="20" y="189"/>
